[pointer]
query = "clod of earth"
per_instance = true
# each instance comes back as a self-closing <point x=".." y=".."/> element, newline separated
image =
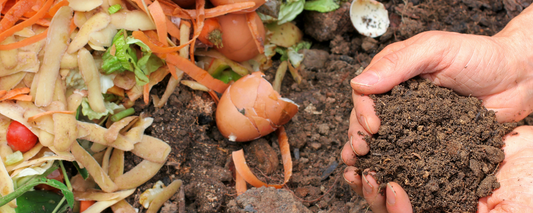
<point x="442" y="148"/>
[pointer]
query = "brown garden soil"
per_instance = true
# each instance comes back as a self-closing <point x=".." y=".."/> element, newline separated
<point x="200" y="155"/>
<point x="442" y="148"/>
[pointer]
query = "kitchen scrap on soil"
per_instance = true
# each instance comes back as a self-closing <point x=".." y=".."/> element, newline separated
<point x="442" y="148"/>
<point x="318" y="130"/>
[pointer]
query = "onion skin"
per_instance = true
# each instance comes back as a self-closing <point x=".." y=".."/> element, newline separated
<point x="250" y="108"/>
<point x="237" y="39"/>
<point x="258" y="4"/>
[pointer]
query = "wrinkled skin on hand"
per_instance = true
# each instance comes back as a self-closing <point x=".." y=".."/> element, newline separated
<point x="497" y="69"/>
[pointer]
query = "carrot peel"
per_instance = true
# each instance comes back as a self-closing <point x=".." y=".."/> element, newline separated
<point x="258" y="39"/>
<point x="248" y="176"/>
<point x="196" y="73"/>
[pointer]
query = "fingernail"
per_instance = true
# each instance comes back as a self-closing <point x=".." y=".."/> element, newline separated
<point x="367" y="78"/>
<point x="348" y="170"/>
<point x="366" y="185"/>
<point x="363" y="120"/>
<point x="391" y="199"/>
<point x="351" y="145"/>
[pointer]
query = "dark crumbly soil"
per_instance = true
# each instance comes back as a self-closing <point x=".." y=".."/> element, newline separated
<point x="442" y="148"/>
<point x="200" y="154"/>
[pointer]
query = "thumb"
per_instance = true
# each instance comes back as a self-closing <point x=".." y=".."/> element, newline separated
<point x="397" y="199"/>
<point x="426" y="53"/>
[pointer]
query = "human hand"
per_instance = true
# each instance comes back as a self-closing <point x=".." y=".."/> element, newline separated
<point x="494" y="69"/>
<point x="515" y="177"/>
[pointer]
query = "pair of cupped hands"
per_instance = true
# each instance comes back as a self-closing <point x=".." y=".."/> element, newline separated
<point x="497" y="69"/>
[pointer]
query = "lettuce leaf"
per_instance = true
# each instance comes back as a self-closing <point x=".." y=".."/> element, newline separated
<point x="322" y="6"/>
<point x="109" y="106"/>
<point x="289" y="10"/>
<point x="125" y="58"/>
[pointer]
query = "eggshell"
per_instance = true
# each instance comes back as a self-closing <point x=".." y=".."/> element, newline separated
<point x="369" y="17"/>
<point x="238" y="42"/>
<point x="251" y="108"/>
<point x="233" y="124"/>
<point x="258" y="3"/>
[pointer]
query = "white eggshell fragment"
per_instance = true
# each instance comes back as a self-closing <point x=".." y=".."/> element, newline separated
<point x="369" y="17"/>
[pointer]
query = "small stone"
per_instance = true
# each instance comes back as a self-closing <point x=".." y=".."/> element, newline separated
<point x="323" y="129"/>
<point x="369" y="44"/>
<point x="314" y="58"/>
<point x="315" y="145"/>
<point x="301" y="192"/>
<point x="324" y="26"/>
<point x="265" y="155"/>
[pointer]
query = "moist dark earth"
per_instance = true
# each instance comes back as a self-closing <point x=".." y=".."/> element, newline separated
<point x="200" y="155"/>
<point x="442" y="148"/>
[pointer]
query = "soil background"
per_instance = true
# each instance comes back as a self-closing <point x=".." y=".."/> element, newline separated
<point x="200" y="155"/>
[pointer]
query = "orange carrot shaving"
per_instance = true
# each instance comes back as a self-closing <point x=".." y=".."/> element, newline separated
<point x="15" y="13"/>
<point x="35" y="117"/>
<point x="155" y="48"/>
<point x="246" y="173"/>
<point x="258" y="39"/>
<point x="29" y="22"/>
<point x="214" y="96"/>
<point x="172" y="29"/>
<point x="141" y="5"/>
<point x="14" y="92"/>
<point x="171" y="9"/>
<point x="2" y="3"/>
<point x="240" y="184"/>
<point x="172" y="70"/>
<point x="25" y="42"/>
<point x="196" y="73"/>
<point x="2" y="93"/>
<point x="85" y="204"/>
<point x="160" y="21"/>
<point x="146" y="93"/>
<point x="56" y="7"/>
<point x="21" y="98"/>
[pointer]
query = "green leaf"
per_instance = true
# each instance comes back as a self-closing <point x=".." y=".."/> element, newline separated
<point x="289" y="10"/>
<point x="227" y="75"/>
<point x="91" y="114"/>
<point x="302" y="45"/>
<point x="322" y="6"/>
<point x="41" y="179"/>
<point x="113" y="9"/>
<point x="283" y="52"/>
<point x="83" y="171"/>
<point x="40" y="201"/>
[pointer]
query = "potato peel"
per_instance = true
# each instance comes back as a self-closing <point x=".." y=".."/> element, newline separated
<point x="248" y="176"/>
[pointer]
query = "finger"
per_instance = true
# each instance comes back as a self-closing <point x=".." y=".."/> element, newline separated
<point x="348" y="155"/>
<point x="482" y="206"/>
<point x="371" y="193"/>
<point x="366" y="115"/>
<point x="507" y="103"/>
<point x="397" y="199"/>
<point x="391" y="48"/>
<point x="428" y="54"/>
<point x="353" y="179"/>
<point x="356" y="133"/>
<point x="519" y="139"/>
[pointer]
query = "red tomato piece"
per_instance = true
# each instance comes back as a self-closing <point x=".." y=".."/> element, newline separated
<point x="20" y="138"/>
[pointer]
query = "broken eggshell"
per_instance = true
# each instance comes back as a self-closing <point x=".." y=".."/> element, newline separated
<point x="369" y="17"/>
<point x="250" y="108"/>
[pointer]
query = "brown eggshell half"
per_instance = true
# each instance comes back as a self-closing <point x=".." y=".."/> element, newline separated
<point x="262" y="106"/>
<point x="233" y="124"/>
<point x="258" y="3"/>
<point x="238" y="42"/>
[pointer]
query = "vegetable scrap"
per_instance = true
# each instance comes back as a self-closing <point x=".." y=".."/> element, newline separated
<point x="71" y="72"/>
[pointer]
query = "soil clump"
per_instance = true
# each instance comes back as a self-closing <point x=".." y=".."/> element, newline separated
<point x="442" y="148"/>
